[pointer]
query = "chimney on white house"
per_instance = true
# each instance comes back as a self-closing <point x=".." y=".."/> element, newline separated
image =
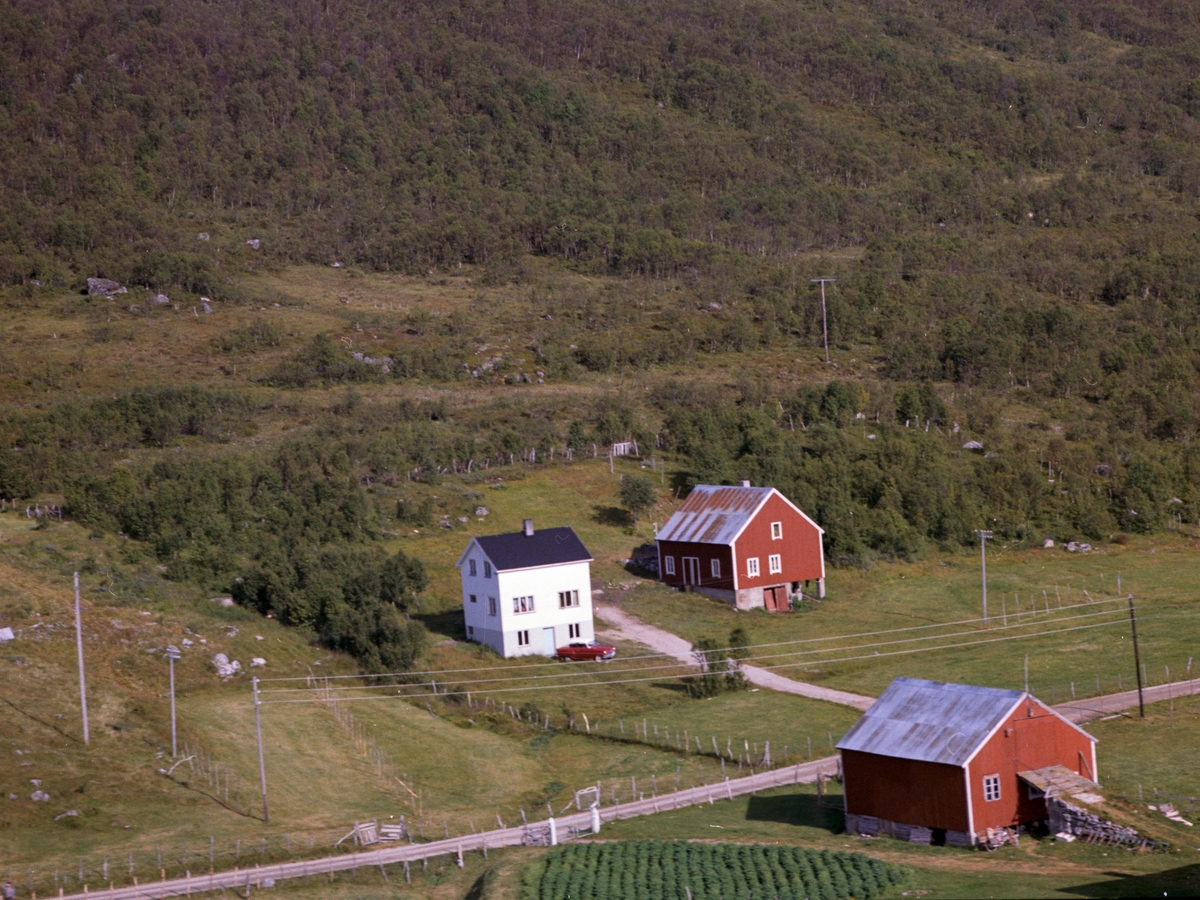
<point x="528" y="527"/>
<point x="745" y="483"/>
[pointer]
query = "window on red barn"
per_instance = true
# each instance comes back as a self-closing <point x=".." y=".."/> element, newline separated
<point x="752" y="567"/>
<point x="669" y="565"/>
<point x="991" y="787"/>
<point x="716" y="568"/>
<point x="777" y="531"/>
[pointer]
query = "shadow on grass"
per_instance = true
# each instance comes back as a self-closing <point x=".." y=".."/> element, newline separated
<point x="444" y="624"/>
<point x="1183" y="881"/>
<point x="796" y="809"/>
<point x="612" y="515"/>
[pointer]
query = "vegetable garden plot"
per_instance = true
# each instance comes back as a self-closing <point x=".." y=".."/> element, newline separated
<point x="666" y="870"/>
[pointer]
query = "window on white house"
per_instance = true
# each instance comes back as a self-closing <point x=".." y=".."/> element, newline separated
<point x="487" y="569"/>
<point x="991" y="787"/>
<point x="522" y="638"/>
<point x="472" y="598"/>
<point x="568" y="598"/>
<point x="752" y="567"/>
<point x="470" y="631"/>
<point x="522" y="604"/>
<point x="471" y="566"/>
<point x="669" y="565"/>
<point x="716" y="568"/>
<point x="777" y="531"/>
<point x="774" y="564"/>
<point x="574" y="631"/>
<point x="491" y="606"/>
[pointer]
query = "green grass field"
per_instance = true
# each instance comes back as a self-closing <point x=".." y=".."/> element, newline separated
<point x="320" y="781"/>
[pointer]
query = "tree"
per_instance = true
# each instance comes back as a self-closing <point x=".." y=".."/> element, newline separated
<point x="636" y="494"/>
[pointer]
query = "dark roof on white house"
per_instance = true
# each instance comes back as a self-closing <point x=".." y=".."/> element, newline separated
<point x="931" y="721"/>
<point x="545" y="547"/>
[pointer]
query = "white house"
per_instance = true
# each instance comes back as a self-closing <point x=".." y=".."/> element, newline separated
<point x="527" y="593"/>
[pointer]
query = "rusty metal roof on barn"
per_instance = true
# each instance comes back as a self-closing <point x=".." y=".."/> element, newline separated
<point x="931" y="721"/>
<point x="714" y="514"/>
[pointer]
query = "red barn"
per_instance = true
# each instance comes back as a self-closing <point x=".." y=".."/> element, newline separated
<point x="749" y="546"/>
<point x="942" y="763"/>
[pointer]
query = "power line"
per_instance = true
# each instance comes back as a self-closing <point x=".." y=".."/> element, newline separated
<point x="536" y="665"/>
<point x="909" y="652"/>
<point x="676" y="664"/>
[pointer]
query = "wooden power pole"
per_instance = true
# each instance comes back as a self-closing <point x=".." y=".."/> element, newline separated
<point x="824" y="316"/>
<point x="79" y="649"/>
<point x="984" y="535"/>
<point x="1137" y="659"/>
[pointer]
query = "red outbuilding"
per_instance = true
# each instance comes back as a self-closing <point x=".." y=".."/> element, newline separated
<point x="942" y="763"/>
<point x="750" y="546"/>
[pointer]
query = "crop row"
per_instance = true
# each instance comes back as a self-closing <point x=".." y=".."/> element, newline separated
<point x="666" y="870"/>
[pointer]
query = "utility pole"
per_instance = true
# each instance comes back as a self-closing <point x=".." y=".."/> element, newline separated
<point x="79" y="648"/>
<point x="262" y="766"/>
<point x="824" y="317"/>
<point x="984" y="535"/>
<point x="172" y="655"/>
<point x="1137" y="659"/>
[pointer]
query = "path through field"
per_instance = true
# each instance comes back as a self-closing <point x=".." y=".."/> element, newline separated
<point x="623" y="625"/>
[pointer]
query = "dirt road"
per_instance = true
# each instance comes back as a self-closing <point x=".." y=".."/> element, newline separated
<point x="623" y="625"/>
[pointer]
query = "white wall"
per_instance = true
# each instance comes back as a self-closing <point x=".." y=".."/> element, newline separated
<point x="544" y="584"/>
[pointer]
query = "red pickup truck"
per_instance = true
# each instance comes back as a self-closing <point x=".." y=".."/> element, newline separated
<point x="590" y="650"/>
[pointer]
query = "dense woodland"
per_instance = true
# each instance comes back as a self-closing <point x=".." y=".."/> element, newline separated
<point x="1007" y="192"/>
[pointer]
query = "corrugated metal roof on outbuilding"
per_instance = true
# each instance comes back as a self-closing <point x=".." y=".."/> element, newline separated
<point x="714" y="514"/>
<point x="932" y="721"/>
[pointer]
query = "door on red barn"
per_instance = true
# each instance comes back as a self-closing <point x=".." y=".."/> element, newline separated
<point x="775" y="598"/>
<point x="691" y="570"/>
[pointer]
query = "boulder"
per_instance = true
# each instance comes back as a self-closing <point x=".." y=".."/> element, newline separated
<point x="104" y="287"/>
<point x="224" y="667"/>
<point x="253" y="243"/>
<point x="257" y="661"/>
<point x="161" y="299"/>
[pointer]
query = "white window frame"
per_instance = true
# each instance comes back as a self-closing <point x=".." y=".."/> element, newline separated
<point x="522" y="605"/>
<point x="715" y="568"/>
<point x="752" y="567"/>
<point x="522" y="638"/>
<point x="471" y="566"/>
<point x="777" y="531"/>
<point x="492" y="606"/>
<point x="568" y="599"/>
<point x="487" y="569"/>
<point x="774" y="564"/>
<point x="669" y="565"/>
<point x="574" y="632"/>
<point x="991" y="787"/>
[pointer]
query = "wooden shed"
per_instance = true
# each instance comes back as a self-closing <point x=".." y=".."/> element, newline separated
<point x="934" y="762"/>
<point x="750" y="546"/>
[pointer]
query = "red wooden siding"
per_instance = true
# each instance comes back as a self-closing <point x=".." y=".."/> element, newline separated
<point x="706" y="553"/>
<point x="799" y="548"/>
<point x="910" y="791"/>
<point x="1032" y="738"/>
